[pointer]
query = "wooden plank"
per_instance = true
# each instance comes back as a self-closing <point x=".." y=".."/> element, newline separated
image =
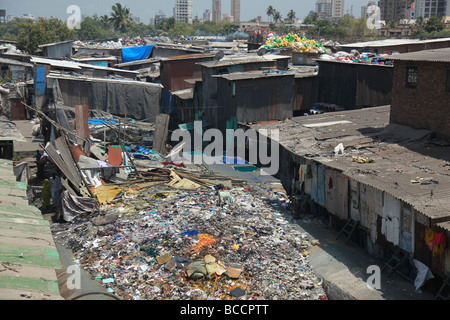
<point x="82" y="125"/>
<point x="161" y="131"/>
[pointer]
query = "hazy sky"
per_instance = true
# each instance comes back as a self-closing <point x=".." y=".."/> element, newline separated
<point x="145" y="9"/>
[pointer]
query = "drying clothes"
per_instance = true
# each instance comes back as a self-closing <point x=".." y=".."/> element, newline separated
<point x="438" y="244"/>
<point x="429" y="235"/>
<point x="107" y="171"/>
<point x="435" y="241"/>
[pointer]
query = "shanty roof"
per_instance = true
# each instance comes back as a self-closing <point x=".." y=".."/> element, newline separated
<point x="230" y="60"/>
<point x="9" y="131"/>
<point x="15" y="63"/>
<point x="405" y="163"/>
<point x="56" y="63"/>
<point x="83" y="78"/>
<point x="436" y="55"/>
<point x="250" y="75"/>
<point x="76" y="65"/>
<point x="54" y="44"/>
<point x="184" y="93"/>
<point x="390" y="42"/>
<point x="189" y="56"/>
<point x="138" y="62"/>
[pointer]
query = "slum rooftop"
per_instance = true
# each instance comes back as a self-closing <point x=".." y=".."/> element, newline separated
<point x="390" y="42"/>
<point x="436" y="55"/>
<point x="229" y="60"/>
<point x="407" y="163"/>
<point x="250" y="75"/>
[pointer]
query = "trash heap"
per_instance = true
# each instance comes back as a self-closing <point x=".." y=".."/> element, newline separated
<point x="111" y="44"/>
<point x="193" y="243"/>
<point x="297" y="43"/>
<point x="355" y="57"/>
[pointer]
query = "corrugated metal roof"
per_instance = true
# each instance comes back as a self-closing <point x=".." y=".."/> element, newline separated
<point x="15" y="63"/>
<point x="254" y="75"/>
<point x="436" y="55"/>
<point x="28" y="255"/>
<point x="391" y="42"/>
<point x="242" y="59"/>
<point x="56" y="63"/>
<point x="404" y="165"/>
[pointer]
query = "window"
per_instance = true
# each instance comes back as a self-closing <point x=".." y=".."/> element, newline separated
<point x="447" y="84"/>
<point x="411" y="77"/>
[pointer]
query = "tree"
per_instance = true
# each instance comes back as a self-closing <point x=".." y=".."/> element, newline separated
<point x="207" y="28"/>
<point x="11" y="29"/>
<point x="120" y="17"/>
<point x="92" y="28"/>
<point x="33" y="34"/>
<point x="227" y="28"/>
<point x="166" y="25"/>
<point x="311" y="18"/>
<point x="277" y="16"/>
<point x="291" y="15"/>
<point x="434" y="23"/>
<point x="419" y="22"/>
<point x="270" y="11"/>
<point x="104" y="19"/>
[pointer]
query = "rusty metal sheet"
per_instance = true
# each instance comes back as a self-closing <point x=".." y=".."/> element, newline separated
<point x="115" y="156"/>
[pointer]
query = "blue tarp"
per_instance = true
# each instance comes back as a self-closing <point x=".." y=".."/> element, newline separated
<point x="39" y="80"/>
<point x="136" y="53"/>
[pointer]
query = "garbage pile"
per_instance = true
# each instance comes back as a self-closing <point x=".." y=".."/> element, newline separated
<point x="150" y="228"/>
<point x="298" y="44"/>
<point x="355" y="57"/>
<point x="112" y="44"/>
<point x="206" y="243"/>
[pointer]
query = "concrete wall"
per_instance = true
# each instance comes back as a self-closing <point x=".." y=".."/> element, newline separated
<point x="427" y="106"/>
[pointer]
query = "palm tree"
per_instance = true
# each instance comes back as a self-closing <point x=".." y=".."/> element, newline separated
<point x="291" y="15"/>
<point x="120" y="17"/>
<point x="270" y="11"/>
<point x="105" y="20"/>
<point x="276" y="16"/>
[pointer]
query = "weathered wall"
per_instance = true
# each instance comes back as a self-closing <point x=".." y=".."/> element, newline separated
<point x="427" y="106"/>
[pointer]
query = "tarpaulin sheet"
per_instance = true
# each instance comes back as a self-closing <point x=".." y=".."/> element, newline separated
<point x="135" y="100"/>
<point x="136" y="53"/>
<point x="74" y="206"/>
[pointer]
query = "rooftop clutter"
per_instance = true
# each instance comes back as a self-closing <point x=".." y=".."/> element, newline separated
<point x="355" y="57"/>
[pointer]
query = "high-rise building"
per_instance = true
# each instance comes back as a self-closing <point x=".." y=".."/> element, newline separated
<point x="216" y="14"/>
<point x="428" y="8"/>
<point x="364" y="13"/>
<point x="158" y="18"/>
<point x="207" y="15"/>
<point x="236" y="10"/>
<point x="394" y="10"/>
<point x="183" y="11"/>
<point x="337" y="9"/>
<point x="323" y="9"/>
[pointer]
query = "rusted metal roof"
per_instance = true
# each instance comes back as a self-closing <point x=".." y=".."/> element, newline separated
<point x="436" y="55"/>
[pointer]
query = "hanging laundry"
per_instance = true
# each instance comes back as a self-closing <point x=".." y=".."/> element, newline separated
<point x="438" y="244"/>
